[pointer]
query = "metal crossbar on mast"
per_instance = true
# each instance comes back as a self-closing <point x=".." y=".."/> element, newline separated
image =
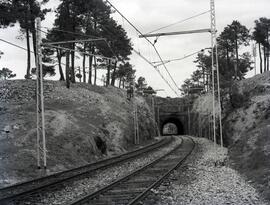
<point x="70" y="49"/>
<point x="41" y="137"/>
<point x="75" y="41"/>
<point x="175" y="33"/>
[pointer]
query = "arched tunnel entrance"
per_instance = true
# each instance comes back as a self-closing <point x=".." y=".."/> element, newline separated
<point x="172" y="126"/>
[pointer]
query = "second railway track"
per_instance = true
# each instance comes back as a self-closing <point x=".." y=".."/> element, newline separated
<point x="13" y="193"/>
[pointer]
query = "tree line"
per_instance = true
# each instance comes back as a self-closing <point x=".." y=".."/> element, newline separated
<point x="233" y="65"/>
<point x="75" y="20"/>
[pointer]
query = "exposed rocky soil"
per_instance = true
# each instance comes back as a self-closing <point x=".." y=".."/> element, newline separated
<point x="247" y="129"/>
<point x="83" y="124"/>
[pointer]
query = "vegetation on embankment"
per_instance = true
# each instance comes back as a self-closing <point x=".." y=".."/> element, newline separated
<point x="246" y="128"/>
<point x="83" y="124"/>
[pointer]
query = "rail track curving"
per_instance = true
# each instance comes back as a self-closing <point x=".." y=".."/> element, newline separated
<point x="131" y="189"/>
<point x="39" y="185"/>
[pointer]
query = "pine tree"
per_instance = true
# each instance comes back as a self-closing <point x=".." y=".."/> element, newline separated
<point x="7" y="17"/>
<point x="261" y="36"/>
<point x="5" y="74"/>
<point x="25" y="12"/>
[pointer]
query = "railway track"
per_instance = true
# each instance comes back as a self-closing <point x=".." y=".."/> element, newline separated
<point x="132" y="188"/>
<point x="40" y="185"/>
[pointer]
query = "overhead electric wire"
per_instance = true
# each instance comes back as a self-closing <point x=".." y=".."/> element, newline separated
<point x="20" y="47"/>
<point x="15" y="45"/>
<point x="179" y="59"/>
<point x="138" y="53"/>
<point x="148" y="42"/>
<point x="178" y="22"/>
<point x="166" y="69"/>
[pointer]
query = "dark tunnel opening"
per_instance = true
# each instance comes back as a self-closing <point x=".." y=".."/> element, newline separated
<point x="172" y="126"/>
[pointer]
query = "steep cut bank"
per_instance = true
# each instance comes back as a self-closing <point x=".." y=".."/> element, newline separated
<point x="83" y="124"/>
<point x="246" y="127"/>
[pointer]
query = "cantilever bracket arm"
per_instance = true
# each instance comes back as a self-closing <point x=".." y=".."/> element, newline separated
<point x="75" y="41"/>
<point x="176" y="33"/>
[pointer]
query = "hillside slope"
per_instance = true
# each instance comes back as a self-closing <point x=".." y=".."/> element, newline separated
<point x="246" y="128"/>
<point x="82" y="125"/>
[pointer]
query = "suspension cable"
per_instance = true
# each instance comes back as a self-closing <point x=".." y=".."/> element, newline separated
<point x="15" y="45"/>
<point x="179" y="59"/>
<point x="178" y="22"/>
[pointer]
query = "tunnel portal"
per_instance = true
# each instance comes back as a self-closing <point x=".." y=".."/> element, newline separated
<point x="167" y="125"/>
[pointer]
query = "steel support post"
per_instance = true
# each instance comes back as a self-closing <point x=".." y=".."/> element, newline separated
<point x="215" y="70"/>
<point x="41" y="143"/>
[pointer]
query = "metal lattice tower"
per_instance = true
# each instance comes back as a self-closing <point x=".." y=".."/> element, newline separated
<point x="41" y="138"/>
<point x="215" y="71"/>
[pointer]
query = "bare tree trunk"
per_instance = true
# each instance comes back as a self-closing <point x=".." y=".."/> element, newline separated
<point x="59" y="57"/>
<point x="260" y="54"/>
<point x="67" y="70"/>
<point x="73" y="80"/>
<point x="27" y="76"/>
<point x="227" y="58"/>
<point x="268" y="48"/>
<point x="80" y="73"/>
<point x="268" y="61"/>
<point x="203" y="72"/>
<point x="237" y="56"/>
<point x="90" y="69"/>
<point x="123" y="81"/>
<point x="108" y="74"/>
<point x="34" y="36"/>
<point x="84" y="72"/>
<point x="120" y="81"/>
<point x="95" y="79"/>
<point x="92" y="49"/>
<point x="264" y="58"/>
<point x="114" y="74"/>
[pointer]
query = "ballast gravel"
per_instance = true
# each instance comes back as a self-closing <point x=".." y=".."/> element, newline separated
<point x="81" y="187"/>
<point x="205" y="179"/>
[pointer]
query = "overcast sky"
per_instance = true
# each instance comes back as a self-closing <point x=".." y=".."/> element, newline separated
<point x="148" y="15"/>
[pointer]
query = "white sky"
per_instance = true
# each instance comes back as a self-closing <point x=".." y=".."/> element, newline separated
<point x="148" y="15"/>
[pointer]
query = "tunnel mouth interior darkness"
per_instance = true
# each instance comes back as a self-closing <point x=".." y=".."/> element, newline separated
<point x="172" y="126"/>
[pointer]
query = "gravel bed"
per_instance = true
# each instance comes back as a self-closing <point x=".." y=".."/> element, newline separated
<point x="81" y="187"/>
<point x="205" y="179"/>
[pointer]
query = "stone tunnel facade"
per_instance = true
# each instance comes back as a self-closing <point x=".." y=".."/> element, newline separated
<point x="172" y="110"/>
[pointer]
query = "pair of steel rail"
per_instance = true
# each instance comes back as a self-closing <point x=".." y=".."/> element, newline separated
<point x="39" y="185"/>
<point x="127" y="190"/>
